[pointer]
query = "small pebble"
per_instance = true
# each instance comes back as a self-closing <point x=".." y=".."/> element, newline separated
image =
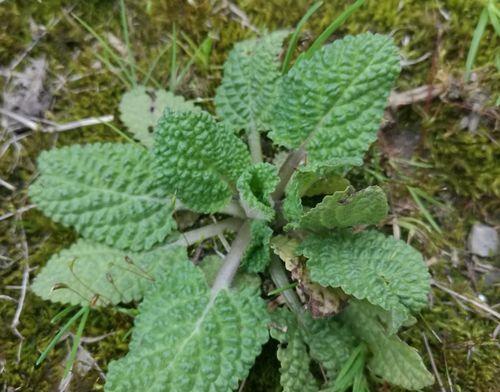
<point x="483" y="240"/>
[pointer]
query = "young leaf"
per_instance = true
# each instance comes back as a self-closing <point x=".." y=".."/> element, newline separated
<point x="257" y="255"/>
<point x="89" y="270"/>
<point x="392" y="359"/>
<point x="346" y="209"/>
<point x="332" y="104"/>
<point x="368" y="265"/>
<point x="199" y="159"/>
<point x="107" y="192"/>
<point x="186" y="340"/>
<point x="255" y="186"/>
<point x="141" y="108"/>
<point x="244" y="98"/>
<point x="306" y="182"/>
<point x="292" y="353"/>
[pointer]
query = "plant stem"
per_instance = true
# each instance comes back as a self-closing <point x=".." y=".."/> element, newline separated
<point x="286" y="171"/>
<point x="234" y="208"/>
<point x="255" y="145"/>
<point x="280" y="279"/>
<point x="193" y="236"/>
<point x="233" y="258"/>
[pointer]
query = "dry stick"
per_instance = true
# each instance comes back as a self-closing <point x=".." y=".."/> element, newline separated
<point x="418" y="94"/>
<point x="433" y="363"/>
<point x="19" y="211"/>
<point x="481" y="306"/>
<point x="233" y="258"/>
<point x="34" y="126"/>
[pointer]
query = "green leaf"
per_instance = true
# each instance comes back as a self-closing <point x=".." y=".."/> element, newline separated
<point x="330" y="344"/>
<point x="211" y="265"/>
<point x="248" y="89"/>
<point x="89" y="271"/>
<point x="347" y="208"/>
<point x="141" y="108"/>
<point x="368" y="265"/>
<point x="255" y="186"/>
<point x="184" y="339"/>
<point x="307" y="182"/>
<point x="292" y="353"/>
<point x="108" y="192"/>
<point x="332" y="104"/>
<point x="199" y="159"/>
<point x="257" y="255"/>
<point x="392" y="359"/>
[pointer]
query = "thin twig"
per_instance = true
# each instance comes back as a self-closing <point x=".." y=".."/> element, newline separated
<point x="5" y="184"/>
<point x="479" y="305"/>
<point x="418" y="94"/>
<point x="19" y="211"/>
<point x="36" y="126"/>
<point x="433" y="363"/>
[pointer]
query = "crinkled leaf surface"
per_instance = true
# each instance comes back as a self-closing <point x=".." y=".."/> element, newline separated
<point x="347" y="208"/>
<point x="186" y="340"/>
<point x="255" y="186"/>
<point x="88" y="271"/>
<point x="257" y="255"/>
<point x="307" y="182"/>
<point x="333" y="102"/>
<point x="245" y="97"/>
<point x="392" y="359"/>
<point x="330" y="343"/>
<point x="368" y="265"/>
<point x="141" y="108"/>
<point x="211" y="265"/>
<point x="292" y="353"/>
<point x="199" y="159"/>
<point x="108" y="192"/>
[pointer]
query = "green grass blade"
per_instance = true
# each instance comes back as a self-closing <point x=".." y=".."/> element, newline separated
<point x="106" y="48"/>
<point x="153" y="65"/>
<point x="122" y="134"/>
<point x="76" y="340"/>
<point x="295" y="36"/>
<point x="111" y="69"/>
<point x="476" y="40"/>
<point x="173" y="61"/>
<point x="58" y="336"/>
<point x="339" y="21"/>
<point x="279" y="290"/>
<point x="130" y="56"/>
<point x="427" y="215"/>
<point x="494" y="17"/>
<point x="62" y="314"/>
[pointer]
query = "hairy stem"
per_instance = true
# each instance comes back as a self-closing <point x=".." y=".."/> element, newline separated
<point x="193" y="236"/>
<point x="255" y="145"/>
<point x="233" y="208"/>
<point x="286" y="171"/>
<point x="280" y="279"/>
<point x="232" y="260"/>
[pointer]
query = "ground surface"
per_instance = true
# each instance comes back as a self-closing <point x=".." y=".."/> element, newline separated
<point x="453" y="141"/>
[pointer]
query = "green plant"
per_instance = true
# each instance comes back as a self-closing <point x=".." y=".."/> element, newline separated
<point x="490" y="13"/>
<point x="200" y="327"/>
